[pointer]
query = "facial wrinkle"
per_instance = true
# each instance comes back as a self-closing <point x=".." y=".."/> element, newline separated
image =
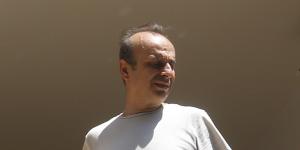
<point x="165" y="55"/>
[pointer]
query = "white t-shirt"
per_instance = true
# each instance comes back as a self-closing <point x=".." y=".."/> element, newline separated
<point x="170" y="127"/>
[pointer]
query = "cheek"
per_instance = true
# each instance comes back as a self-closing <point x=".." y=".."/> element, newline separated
<point x="143" y="77"/>
<point x="153" y="73"/>
<point x="174" y="75"/>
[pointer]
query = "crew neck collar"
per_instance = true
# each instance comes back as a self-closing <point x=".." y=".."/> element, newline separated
<point x="142" y="113"/>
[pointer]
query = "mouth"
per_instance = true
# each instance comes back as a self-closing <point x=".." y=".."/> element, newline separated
<point x="162" y="85"/>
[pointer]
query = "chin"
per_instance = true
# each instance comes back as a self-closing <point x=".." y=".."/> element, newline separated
<point x="162" y="94"/>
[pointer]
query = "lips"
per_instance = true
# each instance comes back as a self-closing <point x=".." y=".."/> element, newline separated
<point x="162" y="84"/>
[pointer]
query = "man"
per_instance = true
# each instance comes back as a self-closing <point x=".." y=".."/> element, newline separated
<point x="147" y="68"/>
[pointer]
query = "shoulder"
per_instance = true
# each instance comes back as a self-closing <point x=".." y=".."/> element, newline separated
<point x="185" y="110"/>
<point x="195" y="119"/>
<point x="191" y="114"/>
<point x="97" y="130"/>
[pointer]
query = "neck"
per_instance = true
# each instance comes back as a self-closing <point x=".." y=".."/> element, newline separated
<point x="134" y="106"/>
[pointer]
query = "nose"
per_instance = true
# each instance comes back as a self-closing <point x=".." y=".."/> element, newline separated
<point x="168" y="71"/>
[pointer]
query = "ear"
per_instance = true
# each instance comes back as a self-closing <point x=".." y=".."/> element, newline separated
<point x="124" y="66"/>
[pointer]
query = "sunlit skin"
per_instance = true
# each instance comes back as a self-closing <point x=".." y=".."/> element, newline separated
<point x="148" y="84"/>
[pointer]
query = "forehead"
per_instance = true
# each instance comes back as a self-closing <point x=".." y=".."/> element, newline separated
<point x="153" y="45"/>
<point x="159" y="55"/>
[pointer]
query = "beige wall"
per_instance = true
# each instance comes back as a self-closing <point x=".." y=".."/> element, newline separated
<point x="239" y="60"/>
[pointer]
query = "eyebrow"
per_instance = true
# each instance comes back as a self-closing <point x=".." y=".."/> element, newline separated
<point x="161" y="57"/>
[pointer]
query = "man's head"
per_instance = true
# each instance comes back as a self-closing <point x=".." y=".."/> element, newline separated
<point x="147" y="61"/>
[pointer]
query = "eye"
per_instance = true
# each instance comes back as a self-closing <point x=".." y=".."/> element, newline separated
<point x="172" y="64"/>
<point x="162" y="64"/>
<point x="159" y="65"/>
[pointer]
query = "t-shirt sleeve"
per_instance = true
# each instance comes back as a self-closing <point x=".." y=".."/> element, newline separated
<point x="85" y="146"/>
<point x="217" y="140"/>
<point x="89" y="141"/>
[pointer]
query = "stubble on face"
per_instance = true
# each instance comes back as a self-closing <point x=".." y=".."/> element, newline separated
<point x="153" y="51"/>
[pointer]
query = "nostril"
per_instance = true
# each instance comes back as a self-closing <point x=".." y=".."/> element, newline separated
<point x="168" y="73"/>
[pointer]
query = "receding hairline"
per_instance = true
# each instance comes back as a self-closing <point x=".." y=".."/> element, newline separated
<point x="127" y="46"/>
<point x="138" y="40"/>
